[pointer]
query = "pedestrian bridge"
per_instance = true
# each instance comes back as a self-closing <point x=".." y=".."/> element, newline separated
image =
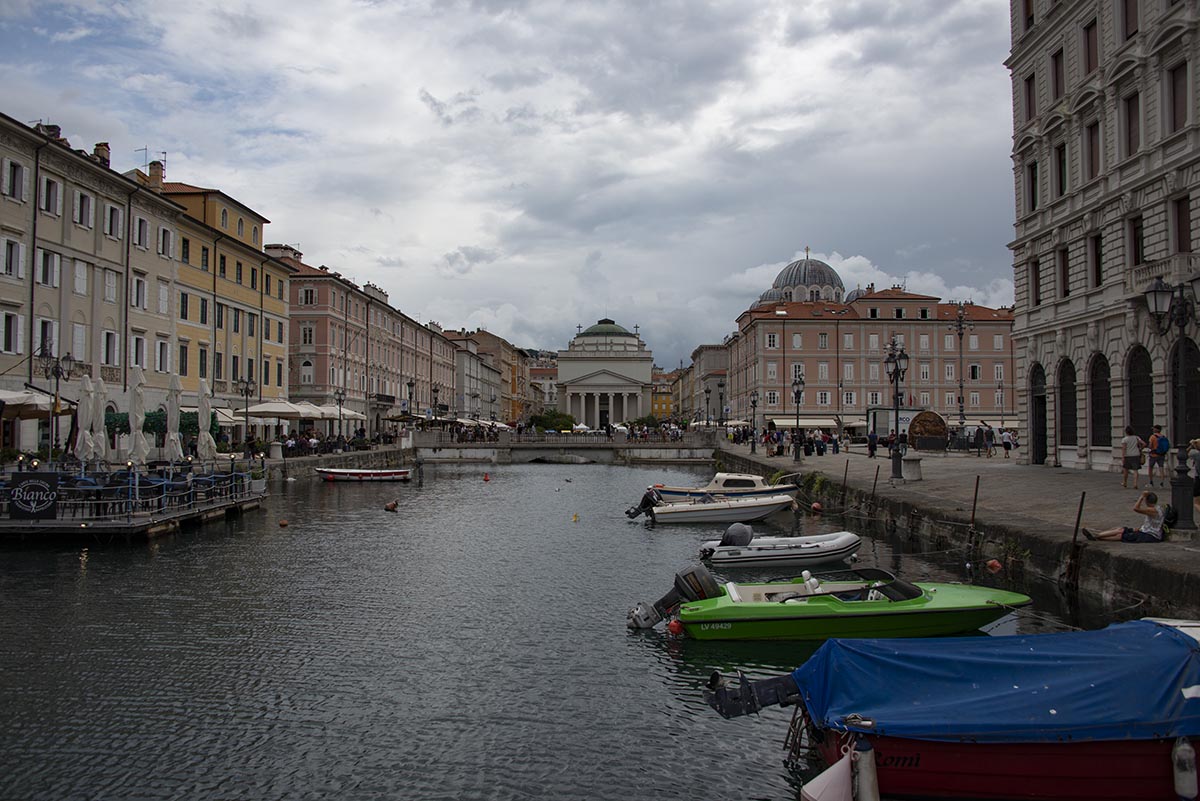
<point x="510" y="448"/>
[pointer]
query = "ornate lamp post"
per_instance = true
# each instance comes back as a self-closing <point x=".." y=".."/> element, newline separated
<point x="960" y="326"/>
<point x="410" y="386"/>
<point x="896" y="365"/>
<point x="493" y="402"/>
<point x="339" y="397"/>
<point x="59" y="368"/>
<point x="1170" y="305"/>
<point x="721" y="402"/>
<point x="753" y="420"/>
<point x="1000" y="392"/>
<point x="433" y="393"/>
<point x="707" y="405"/>
<point x="797" y="396"/>
<point x="245" y="387"/>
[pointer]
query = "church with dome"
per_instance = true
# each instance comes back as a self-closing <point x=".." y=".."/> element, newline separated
<point x="605" y="375"/>
<point x="803" y="280"/>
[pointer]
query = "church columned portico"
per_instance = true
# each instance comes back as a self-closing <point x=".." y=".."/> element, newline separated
<point x="605" y="375"/>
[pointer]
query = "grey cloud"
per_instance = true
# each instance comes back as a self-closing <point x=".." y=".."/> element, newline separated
<point x="467" y="257"/>
<point x="518" y="78"/>
<point x="459" y="108"/>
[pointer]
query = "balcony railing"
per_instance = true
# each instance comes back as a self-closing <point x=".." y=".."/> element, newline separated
<point x="1173" y="269"/>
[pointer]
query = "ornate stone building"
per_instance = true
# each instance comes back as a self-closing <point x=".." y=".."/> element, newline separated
<point x="605" y="375"/>
<point x="1106" y="169"/>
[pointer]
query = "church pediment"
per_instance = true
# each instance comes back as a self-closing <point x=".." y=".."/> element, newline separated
<point x="602" y="379"/>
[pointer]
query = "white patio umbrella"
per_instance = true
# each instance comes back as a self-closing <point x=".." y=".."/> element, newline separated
<point x="84" y="450"/>
<point x="25" y="405"/>
<point x="99" y="426"/>
<point x="139" y="448"/>
<point x="312" y="411"/>
<point x="281" y="410"/>
<point x="331" y="413"/>
<point x="174" y="444"/>
<point x="206" y="446"/>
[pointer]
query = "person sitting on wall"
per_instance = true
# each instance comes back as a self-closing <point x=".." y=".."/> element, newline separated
<point x="1151" y="530"/>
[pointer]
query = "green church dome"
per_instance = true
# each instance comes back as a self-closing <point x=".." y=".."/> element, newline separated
<point x="605" y="328"/>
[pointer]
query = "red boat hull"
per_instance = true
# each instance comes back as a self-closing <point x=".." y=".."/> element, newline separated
<point x="1125" y="770"/>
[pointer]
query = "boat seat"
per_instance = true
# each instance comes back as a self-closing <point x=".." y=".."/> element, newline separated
<point x="734" y="595"/>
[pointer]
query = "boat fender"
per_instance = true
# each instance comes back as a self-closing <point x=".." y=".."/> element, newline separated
<point x="283" y="524"/>
<point x="867" y="788"/>
<point x="656" y="486"/>
<point x="993" y="566"/>
<point x="486" y="477"/>
<point x="834" y="784"/>
<point x="575" y="518"/>
<point x="816" y="506"/>
<point x="390" y="506"/>
<point x="675" y="627"/>
<point x="806" y="575"/>
<point x="1183" y="756"/>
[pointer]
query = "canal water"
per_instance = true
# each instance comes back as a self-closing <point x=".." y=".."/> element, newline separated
<point x="470" y="646"/>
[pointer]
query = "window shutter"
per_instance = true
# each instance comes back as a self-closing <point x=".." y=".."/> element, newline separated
<point x="56" y="261"/>
<point x="41" y="199"/>
<point x="91" y="215"/>
<point x="4" y="185"/>
<point x="58" y="200"/>
<point x="24" y="183"/>
<point x="132" y="351"/>
<point x="79" y="343"/>
<point x="117" y="349"/>
<point x="120" y="232"/>
<point x="37" y="266"/>
<point x="21" y="261"/>
<point x="20" y="333"/>
<point x="54" y="338"/>
<point x="75" y="210"/>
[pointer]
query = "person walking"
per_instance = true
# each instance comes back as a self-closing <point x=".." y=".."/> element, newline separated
<point x="1158" y="448"/>
<point x="989" y="439"/>
<point x="872" y="443"/>
<point x="1006" y="442"/>
<point x="1131" y="457"/>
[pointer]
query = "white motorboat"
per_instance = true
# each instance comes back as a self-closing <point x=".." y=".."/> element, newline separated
<point x="728" y="485"/>
<point x="740" y="548"/>
<point x="709" y="509"/>
<point x="341" y="474"/>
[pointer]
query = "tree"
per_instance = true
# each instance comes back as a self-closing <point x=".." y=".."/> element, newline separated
<point x="552" y="420"/>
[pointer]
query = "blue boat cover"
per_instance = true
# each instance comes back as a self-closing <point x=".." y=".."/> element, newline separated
<point x="1137" y="680"/>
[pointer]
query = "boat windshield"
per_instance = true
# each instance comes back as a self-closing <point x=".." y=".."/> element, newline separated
<point x="900" y="590"/>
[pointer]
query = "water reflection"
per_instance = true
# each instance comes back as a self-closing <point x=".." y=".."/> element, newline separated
<point x="471" y="645"/>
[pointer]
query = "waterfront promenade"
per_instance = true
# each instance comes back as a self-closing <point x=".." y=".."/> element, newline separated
<point x="1032" y="505"/>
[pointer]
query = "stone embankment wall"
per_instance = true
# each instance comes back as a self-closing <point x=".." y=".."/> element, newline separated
<point x="1087" y="577"/>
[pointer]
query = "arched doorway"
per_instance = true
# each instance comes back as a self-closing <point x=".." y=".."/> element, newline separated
<point x="1141" y="390"/>
<point x="1100" y="393"/>
<point x="1037" y="415"/>
<point x="1068" y="405"/>
<point x="1191" y="391"/>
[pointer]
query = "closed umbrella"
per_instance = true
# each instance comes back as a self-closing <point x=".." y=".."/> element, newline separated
<point x="84" y="450"/>
<point x="206" y="446"/>
<point x="174" y="444"/>
<point x="139" y="448"/>
<point x="99" y="423"/>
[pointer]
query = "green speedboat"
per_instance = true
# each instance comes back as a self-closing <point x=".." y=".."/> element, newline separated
<point x="856" y="603"/>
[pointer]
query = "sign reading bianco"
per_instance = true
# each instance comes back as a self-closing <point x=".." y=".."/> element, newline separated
<point x="33" y="496"/>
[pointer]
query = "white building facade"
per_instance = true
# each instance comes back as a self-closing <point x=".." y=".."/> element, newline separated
<point x="604" y="376"/>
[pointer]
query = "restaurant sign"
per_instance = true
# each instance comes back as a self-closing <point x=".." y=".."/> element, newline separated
<point x="33" y="496"/>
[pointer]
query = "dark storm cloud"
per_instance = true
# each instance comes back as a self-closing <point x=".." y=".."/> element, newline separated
<point x="467" y="257"/>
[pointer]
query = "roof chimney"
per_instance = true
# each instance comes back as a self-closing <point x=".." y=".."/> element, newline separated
<point x="102" y="153"/>
<point x="156" y="176"/>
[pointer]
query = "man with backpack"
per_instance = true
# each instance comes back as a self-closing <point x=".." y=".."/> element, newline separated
<point x="1159" y="447"/>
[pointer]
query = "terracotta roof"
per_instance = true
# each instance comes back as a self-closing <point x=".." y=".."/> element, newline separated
<point x="895" y="294"/>
<point x="806" y="310"/>
<point x="180" y="187"/>
<point x="973" y="311"/>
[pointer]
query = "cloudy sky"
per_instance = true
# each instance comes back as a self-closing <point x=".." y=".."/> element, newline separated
<point x="525" y="167"/>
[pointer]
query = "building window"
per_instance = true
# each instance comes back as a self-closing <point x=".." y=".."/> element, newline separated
<point x="224" y="218"/>
<point x="237" y="274"/>
<point x="772" y="397"/>
<point x="183" y="305"/>
<point x="848" y="371"/>
<point x="306" y="336"/>
<point x="873" y="314"/>
<point x="997" y="341"/>
<point x="204" y="258"/>
<point x="1031" y="186"/>
<point x="162" y="356"/>
<point x="183" y="358"/>
<point x="1027" y="8"/>
<point x="1131" y="120"/>
<point x="924" y="314"/>
<point x="873" y="372"/>
<point x="267" y="283"/>
<point x="873" y="342"/>
<point x="924" y="371"/>
<point x="949" y="366"/>
<point x="241" y="227"/>
<point x="307" y="296"/>
<point x="203" y="311"/>
<point x="797" y="341"/>
<point x="49" y="267"/>
<point x="220" y="316"/>
<point x="110" y="286"/>
<point x="254" y="239"/>
<point x="950" y="400"/>
<point x="1064" y="271"/>
<point x="234" y="367"/>
<point x="1091" y="48"/>
<point x="137" y="295"/>
<point x="266" y="372"/>
<point x="822" y="341"/>
<point x="278" y="364"/>
<point x="50" y="198"/>
<point x="1068" y="420"/>
<point x="81" y="277"/>
<point x="251" y="323"/>
<point x="974" y="399"/>
<point x="13" y="181"/>
<point x="797" y="370"/>
<point x="973" y="342"/>
<point x="772" y="341"/>
<point x="1182" y="217"/>
<point x="237" y="320"/>
<point x="111" y="354"/>
<point x="1091" y="151"/>
<point x="141" y="232"/>
<point x="113" y="223"/>
<point x="848" y="341"/>
<point x="137" y="348"/>
<point x="1057" y="75"/>
<point x="1030" y="97"/>
<point x="254" y="278"/>
<point x="1060" y="169"/>
<point x="185" y="250"/>
<point x="998" y="371"/>
<point x="1177" y="98"/>
<point x="923" y="339"/>
<point x="848" y="398"/>
<point x="202" y="361"/>
<point x="83" y="213"/>
<point x="974" y="372"/>
<point x="1095" y="259"/>
<point x="221" y="265"/>
<point x="1129" y="18"/>
<point x="823" y="371"/>
<point x="1137" y="241"/>
<point x="166" y="242"/>
<point x="1035" y="282"/>
<point x="164" y="297"/>
<point x="218" y="365"/>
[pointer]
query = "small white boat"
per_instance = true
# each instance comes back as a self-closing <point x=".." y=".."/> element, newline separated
<point x="728" y="485"/>
<point x="709" y="509"/>
<point x="342" y="474"/>
<point x="740" y="548"/>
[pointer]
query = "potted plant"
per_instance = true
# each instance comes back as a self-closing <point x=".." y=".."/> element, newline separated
<point x="258" y="481"/>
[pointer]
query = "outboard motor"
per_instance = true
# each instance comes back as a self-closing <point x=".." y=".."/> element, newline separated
<point x="648" y="502"/>
<point x="738" y="534"/>
<point x="693" y="584"/>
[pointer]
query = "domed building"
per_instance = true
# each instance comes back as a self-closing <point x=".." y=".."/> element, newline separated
<point x="805" y="279"/>
<point x="604" y="375"/>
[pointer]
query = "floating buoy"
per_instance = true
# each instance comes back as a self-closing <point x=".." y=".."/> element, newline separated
<point x="486" y="477"/>
<point x="283" y="524"/>
<point x="390" y="506"/>
<point x="675" y="627"/>
<point x="993" y="565"/>
<point x="575" y="518"/>
<point x="816" y="506"/>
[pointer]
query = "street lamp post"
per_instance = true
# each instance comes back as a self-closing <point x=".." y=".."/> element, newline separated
<point x="59" y="368"/>
<point x="753" y="420"/>
<point x="245" y="387"/>
<point x="896" y="365"/>
<point x="492" y="399"/>
<point x="1000" y="394"/>
<point x="960" y="326"/>
<point x="339" y="397"/>
<point x="797" y="396"/>
<point x="1170" y="305"/>
<point x="721" y="402"/>
<point x="707" y="405"/>
<point x="410" y="386"/>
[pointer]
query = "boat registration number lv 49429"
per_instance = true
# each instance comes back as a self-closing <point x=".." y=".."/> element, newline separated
<point x="715" y="626"/>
